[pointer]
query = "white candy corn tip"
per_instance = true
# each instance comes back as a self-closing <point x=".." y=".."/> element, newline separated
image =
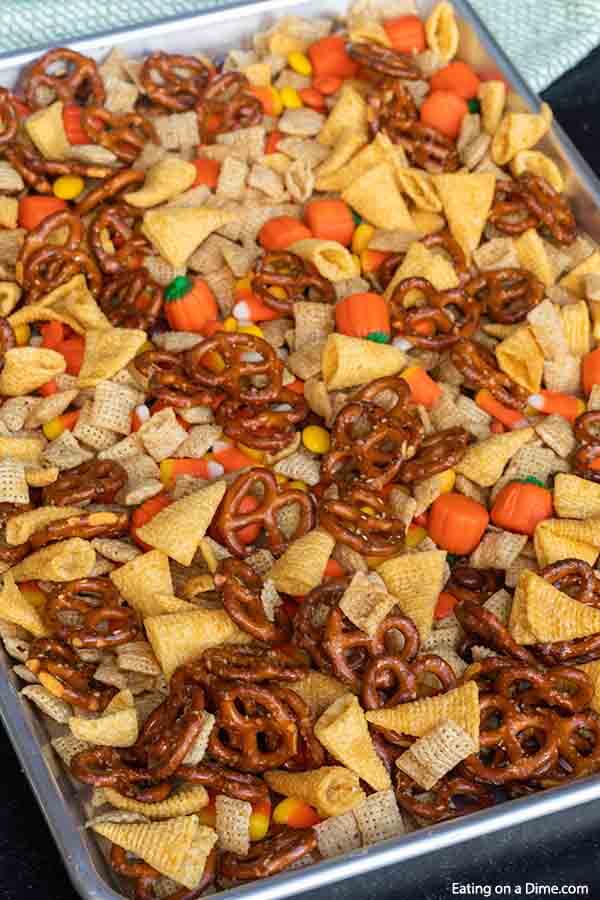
<point x="215" y="469"/>
<point x="401" y="343"/>
<point x="241" y="311"/>
<point x="536" y="400"/>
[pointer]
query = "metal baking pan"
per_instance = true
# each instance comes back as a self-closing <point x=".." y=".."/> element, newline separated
<point x="63" y="804"/>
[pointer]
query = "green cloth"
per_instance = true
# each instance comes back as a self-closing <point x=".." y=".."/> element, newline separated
<point x="544" y="38"/>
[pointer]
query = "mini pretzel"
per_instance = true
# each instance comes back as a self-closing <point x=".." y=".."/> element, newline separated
<point x="123" y="134"/>
<point x="517" y="745"/>
<point x="167" y="380"/>
<point x="285" y="271"/>
<point x="227" y="105"/>
<point x="33" y="168"/>
<point x="350" y="649"/>
<point x="173" y="81"/>
<point x="577" y="651"/>
<point x="230" y="518"/>
<point x="440" y="803"/>
<point x="310" y="754"/>
<point x="241" y="588"/>
<point x="478" y="367"/>
<point x="510" y="214"/>
<point x="309" y="621"/>
<point x="104" y="767"/>
<point x="550" y="207"/>
<point x="131" y="300"/>
<point x="477" y="585"/>
<point x="428" y="668"/>
<point x="12" y="555"/>
<point x="426" y="147"/>
<point x="363" y="520"/>
<point x="241" y="358"/>
<point x="385" y="61"/>
<point x="145" y="875"/>
<point x="576" y="578"/>
<point x="50" y="267"/>
<point x="239" y="785"/>
<point x="387" y="681"/>
<point x="487" y="628"/>
<point x="72" y="679"/>
<point x="76" y="78"/>
<point x="103" y="622"/>
<point x="445" y="317"/>
<point x="438" y="451"/>
<point x="270" y="856"/>
<point x="389" y="104"/>
<point x="568" y="689"/>
<point x="84" y="525"/>
<point x="271" y="427"/>
<point x="579" y="743"/>
<point x="586" y="432"/>
<point x="116" y="226"/>
<point x="64" y="224"/>
<point x="507" y="295"/>
<point x="442" y="240"/>
<point x="96" y="481"/>
<point x="248" y="663"/>
<point x="254" y="731"/>
<point x="9" y="118"/>
<point x="109" y="189"/>
<point x="18" y="158"/>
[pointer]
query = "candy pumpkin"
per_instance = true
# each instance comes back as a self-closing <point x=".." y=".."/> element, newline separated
<point x="364" y="316"/>
<point x="522" y="505"/>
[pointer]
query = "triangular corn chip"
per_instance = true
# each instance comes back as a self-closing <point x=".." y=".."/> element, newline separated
<point x="70" y="302"/>
<point x="107" y="352"/>
<point x="333" y="261"/>
<point x="177" y="232"/>
<point x="181" y="637"/>
<point x="15" y="608"/>
<point x="554" y="616"/>
<point x="533" y="255"/>
<point x="518" y="623"/>
<point x="556" y="539"/>
<point x="418" y="186"/>
<point x="460" y="705"/>
<point x="347" y="145"/>
<point x="140" y="579"/>
<point x="350" y="361"/>
<point x="19" y="528"/>
<point x="574" y="497"/>
<point x="178" y="529"/>
<point x="319" y="691"/>
<point x="63" y="561"/>
<point x="340" y="179"/>
<point x="424" y="263"/>
<point x="164" y="180"/>
<point x="28" y="368"/>
<point x="332" y="790"/>
<point x="343" y="730"/>
<point x="163" y="845"/>
<point x="484" y="462"/>
<point x="416" y="579"/>
<point x="349" y="113"/>
<point x="46" y="129"/>
<point x="114" y="728"/>
<point x="520" y="356"/>
<point x="184" y="801"/>
<point x="467" y="200"/>
<point x="576" y="324"/>
<point x="574" y="281"/>
<point x="301" y="567"/>
<point x="519" y="131"/>
<point x="375" y="197"/>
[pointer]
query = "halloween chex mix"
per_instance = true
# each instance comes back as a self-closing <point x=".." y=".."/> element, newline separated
<point x="299" y="444"/>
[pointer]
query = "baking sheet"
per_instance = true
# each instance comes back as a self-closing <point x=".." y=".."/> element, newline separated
<point x="62" y="803"/>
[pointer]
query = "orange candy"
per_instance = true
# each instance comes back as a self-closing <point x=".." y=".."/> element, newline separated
<point x="457" y="523"/>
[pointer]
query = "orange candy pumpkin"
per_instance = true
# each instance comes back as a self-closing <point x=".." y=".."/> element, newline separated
<point x="365" y="316"/>
<point x="457" y="523"/>
<point x="521" y="506"/>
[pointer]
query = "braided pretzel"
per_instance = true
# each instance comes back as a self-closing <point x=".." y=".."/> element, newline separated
<point x="241" y="588"/>
<point x="76" y="78"/>
<point x="131" y="299"/>
<point x="270" y="856"/>
<point x="244" y="357"/>
<point x="385" y="61"/>
<point x="437" y="452"/>
<point x="72" y="679"/>
<point x="115" y="226"/>
<point x="83" y="525"/>
<point x="9" y="118"/>
<point x="124" y="134"/>
<point x="230" y="520"/>
<point x="104" y="623"/>
<point x="446" y="316"/>
<point x="254" y="730"/>
<point x="363" y="520"/>
<point x="478" y="367"/>
<point x="173" y="81"/>
<point x="507" y="295"/>
<point x="350" y="649"/>
<point x="285" y="271"/>
<point x="228" y="105"/>
<point x="309" y="621"/>
<point x="98" y="481"/>
<point x="263" y="427"/>
<point x="518" y="745"/>
<point x="440" y="803"/>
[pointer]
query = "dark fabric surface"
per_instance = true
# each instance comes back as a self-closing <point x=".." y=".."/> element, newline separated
<point x="560" y="851"/>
